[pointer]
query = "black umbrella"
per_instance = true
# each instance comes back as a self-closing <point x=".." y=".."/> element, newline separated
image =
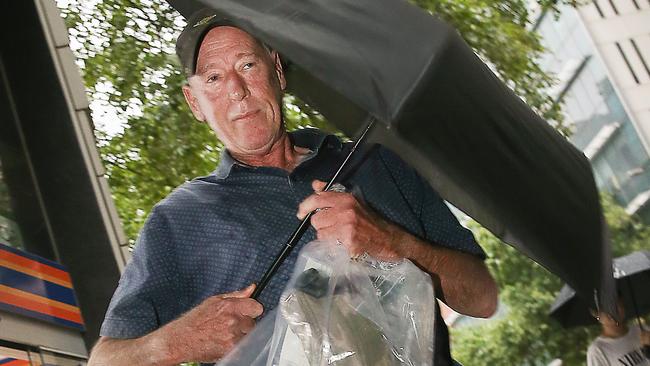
<point x="481" y="147"/>
<point x="632" y="273"/>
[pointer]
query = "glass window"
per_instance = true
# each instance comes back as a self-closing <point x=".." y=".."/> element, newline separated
<point x="550" y="38"/>
<point x="596" y="68"/>
<point x="9" y="230"/>
<point x="621" y="166"/>
<point x="571" y="50"/>
<point x="594" y="87"/>
<point x="31" y="356"/>
<point x="12" y="356"/>
<point x="590" y="91"/>
<point x="605" y="175"/>
<point x="582" y="100"/>
<point x="624" y="159"/>
<point x="614" y="104"/>
<point x="23" y="224"/>
<point x="52" y="359"/>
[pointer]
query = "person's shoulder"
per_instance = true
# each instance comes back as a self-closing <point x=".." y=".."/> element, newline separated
<point x="387" y="153"/>
<point x="595" y="354"/>
<point x="375" y="150"/>
<point x="391" y="160"/>
<point x="595" y="345"/>
<point x="180" y="193"/>
<point x="188" y="194"/>
<point x="175" y="209"/>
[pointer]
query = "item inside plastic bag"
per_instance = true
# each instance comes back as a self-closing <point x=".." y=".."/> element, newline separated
<point x="345" y="312"/>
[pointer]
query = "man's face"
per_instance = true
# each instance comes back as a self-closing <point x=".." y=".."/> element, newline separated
<point x="237" y="90"/>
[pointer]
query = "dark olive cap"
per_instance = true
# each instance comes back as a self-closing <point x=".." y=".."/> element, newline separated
<point x="189" y="41"/>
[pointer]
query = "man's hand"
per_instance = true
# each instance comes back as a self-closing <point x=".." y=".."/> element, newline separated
<point x="462" y="280"/>
<point x="341" y="217"/>
<point x="213" y="328"/>
<point x="205" y="334"/>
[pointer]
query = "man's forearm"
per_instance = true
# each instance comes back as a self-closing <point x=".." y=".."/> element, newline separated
<point x="205" y="333"/>
<point x="466" y="284"/>
<point x="149" y="350"/>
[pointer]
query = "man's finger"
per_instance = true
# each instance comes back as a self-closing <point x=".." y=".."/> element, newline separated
<point x="308" y="205"/>
<point x="328" y="234"/>
<point x="243" y="293"/>
<point x="318" y="185"/>
<point x="336" y="235"/>
<point x="247" y="325"/>
<point x="321" y="200"/>
<point x="251" y="308"/>
<point x="324" y="218"/>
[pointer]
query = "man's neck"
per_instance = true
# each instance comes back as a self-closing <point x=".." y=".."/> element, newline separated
<point x="283" y="154"/>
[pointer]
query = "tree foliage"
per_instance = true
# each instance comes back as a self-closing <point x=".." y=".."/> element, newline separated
<point x="526" y="335"/>
<point x="126" y="51"/>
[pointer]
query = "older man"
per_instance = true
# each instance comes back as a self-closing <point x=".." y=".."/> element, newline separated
<point x="185" y="295"/>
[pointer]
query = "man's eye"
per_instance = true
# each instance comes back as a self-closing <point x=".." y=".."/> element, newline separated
<point x="213" y="78"/>
<point x="248" y="65"/>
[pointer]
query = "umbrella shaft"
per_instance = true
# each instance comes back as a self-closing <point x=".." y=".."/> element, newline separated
<point x="293" y="240"/>
<point x="298" y="233"/>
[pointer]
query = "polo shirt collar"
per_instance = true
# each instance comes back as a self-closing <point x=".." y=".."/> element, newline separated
<point x="309" y="138"/>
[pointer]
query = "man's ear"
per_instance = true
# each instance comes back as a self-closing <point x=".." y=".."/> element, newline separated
<point x="193" y="102"/>
<point x="279" y="71"/>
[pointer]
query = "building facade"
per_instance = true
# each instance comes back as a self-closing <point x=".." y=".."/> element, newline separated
<point x="600" y="53"/>
<point x="61" y="243"/>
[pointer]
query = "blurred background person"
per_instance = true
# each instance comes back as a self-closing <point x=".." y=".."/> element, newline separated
<point x="618" y="343"/>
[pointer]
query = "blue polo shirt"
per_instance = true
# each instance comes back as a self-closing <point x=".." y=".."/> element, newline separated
<point x="219" y="233"/>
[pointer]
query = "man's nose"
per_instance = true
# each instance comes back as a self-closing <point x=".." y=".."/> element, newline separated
<point x="237" y="89"/>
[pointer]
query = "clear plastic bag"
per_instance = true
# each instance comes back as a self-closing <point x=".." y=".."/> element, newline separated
<point x="345" y="312"/>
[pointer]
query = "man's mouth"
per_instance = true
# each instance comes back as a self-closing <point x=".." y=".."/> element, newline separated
<point x="244" y="116"/>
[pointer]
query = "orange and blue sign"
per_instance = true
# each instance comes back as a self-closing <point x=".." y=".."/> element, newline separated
<point x="38" y="288"/>
<point x="13" y="362"/>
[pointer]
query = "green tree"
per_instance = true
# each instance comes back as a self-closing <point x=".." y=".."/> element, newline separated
<point x="526" y="335"/>
<point x="125" y="49"/>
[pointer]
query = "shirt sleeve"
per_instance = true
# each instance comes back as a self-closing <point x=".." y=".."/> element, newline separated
<point x="147" y="295"/>
<point x="440" y="225"/>
<point x="595" y="356"/>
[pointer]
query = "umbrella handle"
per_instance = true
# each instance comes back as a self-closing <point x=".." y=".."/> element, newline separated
<point x="300" y="230"/>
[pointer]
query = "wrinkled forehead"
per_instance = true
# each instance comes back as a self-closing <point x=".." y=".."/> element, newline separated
<point x="228" y="37"/>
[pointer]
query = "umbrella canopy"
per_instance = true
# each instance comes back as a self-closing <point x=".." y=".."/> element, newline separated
<point x="632" y="273"/>
<point x="478" y="144"/>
